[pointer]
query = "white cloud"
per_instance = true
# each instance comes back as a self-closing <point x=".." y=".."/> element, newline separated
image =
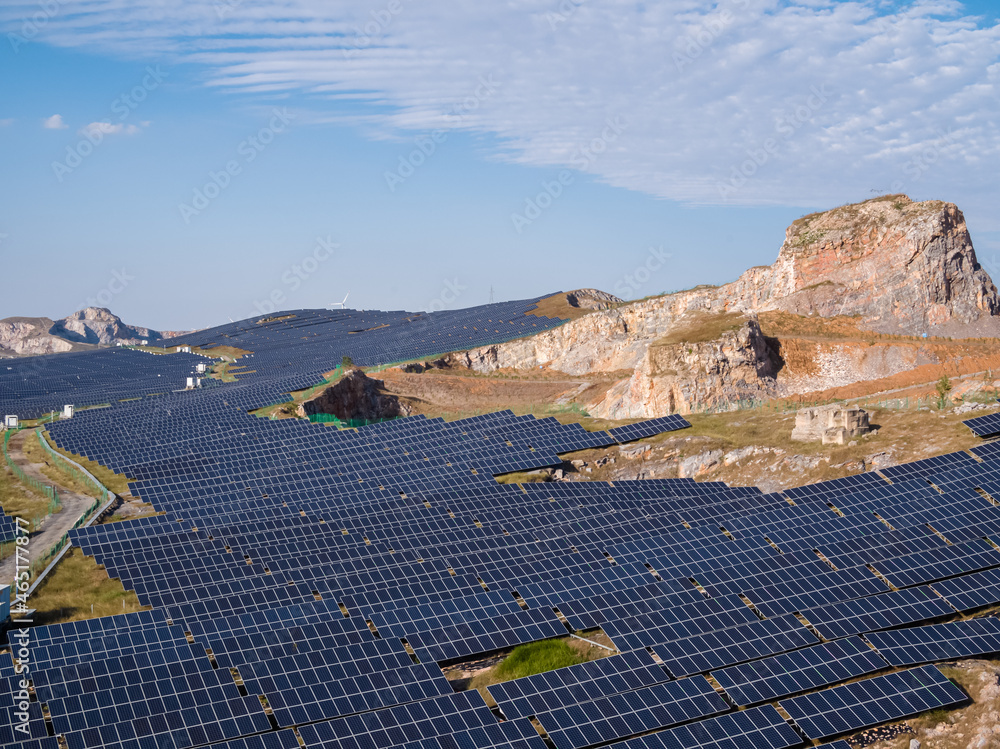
<point x="822" y="101"/>
<point x="111" y="128"/>
<point x="6" y="122"/>
<point x="55" y="122"/>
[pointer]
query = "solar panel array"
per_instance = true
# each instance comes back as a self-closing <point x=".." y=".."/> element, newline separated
<point x="308" y="585"/>
<point x="880" y="699"/>
<point x="291" y="350"/>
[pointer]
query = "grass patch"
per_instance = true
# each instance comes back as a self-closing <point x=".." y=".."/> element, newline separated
<point x="59" y="473"/>
<point x="18" y="502"/>
<point x="702" y="326"/>
<point x="932" y="718"/>
<point x="524" y="477"/>
<point x="80" y="589"/>
<point x="536" y="658"/>
<point x="108" y="478"/>
<point x="558" y="305"/>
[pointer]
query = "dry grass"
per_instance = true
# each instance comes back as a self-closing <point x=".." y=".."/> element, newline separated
<point x="524" y="477"/>
<point x="905" y="435"/>
<point x="80" y="589"/>
<point x="699" y="327"/>
<point x="558" y="305"/>
<point x="18" y="502"/>
<point x="116" y="482"/>
<point x="59" y="473"/>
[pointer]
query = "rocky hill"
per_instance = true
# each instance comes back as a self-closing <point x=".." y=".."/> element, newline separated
<point x="885" y="266"/>
<point x="88" y="328"/>
<point x="903" y="267"/>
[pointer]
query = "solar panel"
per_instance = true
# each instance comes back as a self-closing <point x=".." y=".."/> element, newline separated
<point x="850" y="707"/>
<point x="636" y="712"/>
<point x="726" y="647"/>
<point x="333" y="571"/>
<point x="938" y="642"/>
<point x="877" y="612"/>
<point x="648" y="428"/>
<point x="798" y="671"/>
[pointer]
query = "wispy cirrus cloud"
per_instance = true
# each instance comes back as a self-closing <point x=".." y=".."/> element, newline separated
<point x="722" y="100"/>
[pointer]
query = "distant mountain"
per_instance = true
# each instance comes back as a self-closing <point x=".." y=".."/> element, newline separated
<point x="86" y="329"/>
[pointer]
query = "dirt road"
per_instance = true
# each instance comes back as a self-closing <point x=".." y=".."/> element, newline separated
<point x="53" y="527"/>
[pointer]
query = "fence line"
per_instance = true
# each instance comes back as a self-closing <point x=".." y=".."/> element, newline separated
<point x="103" y="493"/>
<point x="38" y="486"/>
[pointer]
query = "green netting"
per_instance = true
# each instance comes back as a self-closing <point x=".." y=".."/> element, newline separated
<point x="102" y="493"/>
<point x="345" y="423"/>
<point x="32" y="483"/>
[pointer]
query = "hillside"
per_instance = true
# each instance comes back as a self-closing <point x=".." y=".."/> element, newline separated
<point x="85" y="329"/>
<point x="860" y="294"/>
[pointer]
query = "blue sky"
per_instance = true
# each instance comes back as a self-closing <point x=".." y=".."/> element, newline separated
<point x="416" y="154"/>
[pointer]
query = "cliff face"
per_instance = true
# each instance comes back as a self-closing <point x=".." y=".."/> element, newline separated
<point x="356" y="396"/>
<point x="23" y="335"/>
<point x="84" y="329"/>
<point x="904" y="267"/>
<point x="99" y="325"/>
<point x="739" y="365"/>
<point x="898" y="266"/>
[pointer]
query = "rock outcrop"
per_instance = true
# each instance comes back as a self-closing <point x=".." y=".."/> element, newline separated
<point x="737" y="367"/>
<point x="356" y="396"/>
<point x="592" y="299"/>
<point x="830" y="424"/>
<point x="30" y="335"/>
<point x="903" y="267"/>
<point x="99" y="325"/>
<point x="894" y="265"/>
<point x="85" y="329"/>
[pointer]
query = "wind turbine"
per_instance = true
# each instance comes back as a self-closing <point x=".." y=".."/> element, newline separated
<point x="341" y="304"/>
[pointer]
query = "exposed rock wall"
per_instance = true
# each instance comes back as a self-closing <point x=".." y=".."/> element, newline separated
<point x="904" y="267"/>
<point x="30" y="336"/>
<point x="89" y="327"/>
<point x="685" y="377"/>
<point x="356" y="396"/>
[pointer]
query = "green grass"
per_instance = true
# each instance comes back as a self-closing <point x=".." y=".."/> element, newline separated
<point x="19" y="502"/>
<point x="74" y="586"/>
<point x="61" y="474"/>
<point x="108" y="478"/>
<point x="536" y="658"/>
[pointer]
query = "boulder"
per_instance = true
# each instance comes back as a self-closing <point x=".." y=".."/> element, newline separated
<point x="830" y="424"/>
